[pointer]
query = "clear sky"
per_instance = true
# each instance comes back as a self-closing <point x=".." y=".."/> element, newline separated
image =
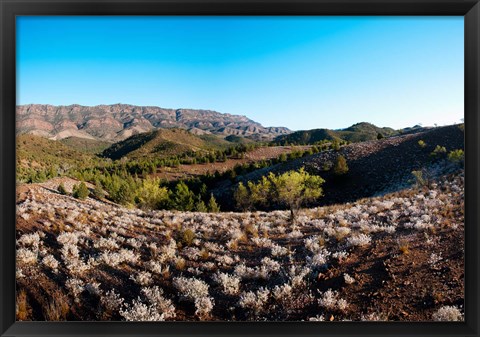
<point x="298" y="72"/>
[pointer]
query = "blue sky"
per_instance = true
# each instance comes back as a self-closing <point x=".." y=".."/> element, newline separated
<point x="298" y="72"/>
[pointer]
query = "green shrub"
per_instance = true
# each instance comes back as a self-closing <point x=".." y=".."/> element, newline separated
<point x="80" y="191"/>
<point x="61" y="189"/>
<point x="200" y="206"/>
<point x="340" y="168"/>
<point x="183" y="199"/>
<point x="291" y="189"/>
<point x="419" y="178"/>
<point x="151" y="195"/>
<point x="212" y="205"/>
<point x="456" y="156"/>
<point x="186" y="237"/>
<point x="98" y="191"/>
<point x="422" y="144"/>
<point x="438" y="151"/>
<point x="242" y="197"/>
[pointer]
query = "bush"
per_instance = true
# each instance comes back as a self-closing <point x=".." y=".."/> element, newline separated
<point x="421" y="143"/>
<point x="98" y="190"/>
<point x="340" y="168"/>
<point x="183" y="199"/>
<point x="420" y="180"/>
<point x="212" y="205"/>
<point x="242" y="197"/>
<point x="447" y="313"/>
<point x="439" y="150"/>
<point x="61" y="189"/>
<point x="151" y="195"/>
<point x="200" y="206"/>
<point x="456" y="156"/>
<point x="291" y="189"/>
<point x="80" y="191"/>
<point x="186" y="237"/>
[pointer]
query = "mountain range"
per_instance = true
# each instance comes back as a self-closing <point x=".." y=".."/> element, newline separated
<point x="117" y="122"/>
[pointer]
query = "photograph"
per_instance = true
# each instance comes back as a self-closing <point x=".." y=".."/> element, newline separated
<point x="240" y="168"/>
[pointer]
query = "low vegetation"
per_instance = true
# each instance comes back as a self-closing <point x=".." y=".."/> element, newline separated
<point x="91" y="260"/>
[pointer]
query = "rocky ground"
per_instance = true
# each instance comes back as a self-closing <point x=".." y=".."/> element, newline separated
<point x="397" y="257"/>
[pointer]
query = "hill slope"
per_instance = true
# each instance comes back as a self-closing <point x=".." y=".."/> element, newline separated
<point x="35" y="154"/>
<point x="374" y="166"/>
<point x="162" y="144"/>
<point x="85" y="145"/>
<point x="359" y="132"/>
<point x="120" y="121"/>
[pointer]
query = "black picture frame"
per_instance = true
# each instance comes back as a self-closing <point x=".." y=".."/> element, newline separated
<point x="9" y="9"/>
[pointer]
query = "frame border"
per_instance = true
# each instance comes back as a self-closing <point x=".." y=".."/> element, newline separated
<point x="9" y="9"/>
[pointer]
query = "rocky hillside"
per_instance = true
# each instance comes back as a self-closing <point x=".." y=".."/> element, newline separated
<point x="120" y="121"/>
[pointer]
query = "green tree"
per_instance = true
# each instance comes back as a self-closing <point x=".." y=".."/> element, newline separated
<point x="98" y="191"/>
<point x="340" y="168"/>
<point x="295" y="188"/>
<point x="242" y="197"/>
<point x="291" y="189"/>
<point x="212" y="205"/>
<point x="260" y="193"/>
<point x="150" y="195"/>
<point x="123" y="194"/>
<point x="200" y="206"/>
<point x="61" y="189"/>
<point x="80" y="191"/>
<point x="183" y="199"/>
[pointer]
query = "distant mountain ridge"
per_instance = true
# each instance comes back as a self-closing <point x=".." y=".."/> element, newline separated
<point x="359" y="132"/>
<point x="117" y="122"/>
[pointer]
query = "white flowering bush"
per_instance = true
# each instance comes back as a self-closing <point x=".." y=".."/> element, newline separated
<point x="68" y="238"/>
<point x="330" y="300"/>
<point x="143" y="278"/>
<point x="75" y="286"/>
<point x="203" y="307"/>
<point x="359" y="240"/>
<point x="254" y="301"/>
<point x="49" y="261"/>
<point x="230" y="283"/>
<point x="112" y="301"/>
<point x="26" y="256"/>
<point x="30" y="240"/>
<point x="447" y="313"/>
<point x="138" y="311"/>
<point x="348" y="279"/>
<point x="154" y="295"/>
<point x="191" y="288"/>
